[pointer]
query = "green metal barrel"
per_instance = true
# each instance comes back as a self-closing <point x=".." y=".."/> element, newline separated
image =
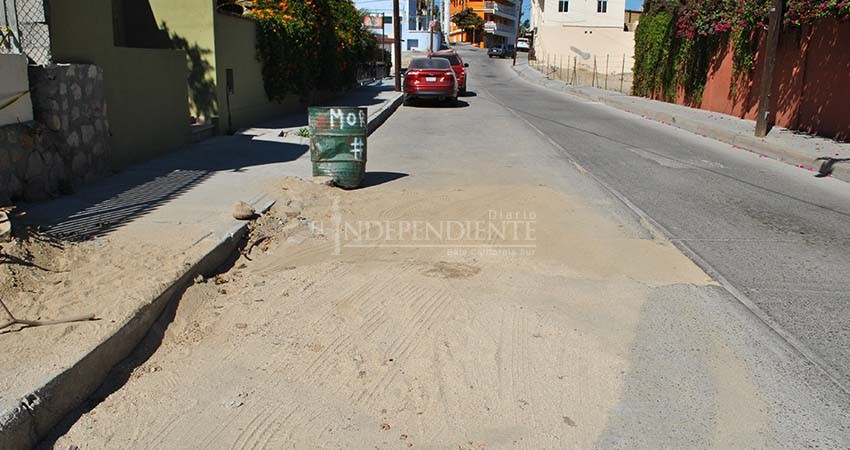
<point x="338" y="144"/>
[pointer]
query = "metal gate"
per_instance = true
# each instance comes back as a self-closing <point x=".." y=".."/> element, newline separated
<point x="24" y="29"/>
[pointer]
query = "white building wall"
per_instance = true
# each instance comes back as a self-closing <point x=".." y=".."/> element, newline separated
<point x="608" y="49"/>
<point x="536" y="14"/>
<point x="13" y="82"/>
<point x="584" y="13"/>
<point x="582" y="36"/>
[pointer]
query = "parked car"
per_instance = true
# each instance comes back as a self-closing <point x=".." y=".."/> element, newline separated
<point x="457" y="65"/>
<point x="430" y="78"/>
<point x="522" y="45"/>
<point x="502" y="51"/>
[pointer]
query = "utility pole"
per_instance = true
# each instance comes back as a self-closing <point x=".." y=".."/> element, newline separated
<point x="383" y="41"/>
<point x="431" y="27"/>
<point x="397" y="45"/>
<point x="773" y="28"/>
<point x="518" y="19"/>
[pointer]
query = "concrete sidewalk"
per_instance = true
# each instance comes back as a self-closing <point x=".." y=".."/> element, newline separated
<point x="151" y="230"/>
<point x="792" y="147"/>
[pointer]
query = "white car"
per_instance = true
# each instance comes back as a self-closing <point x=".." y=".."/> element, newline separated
<point x="522" y="44"/>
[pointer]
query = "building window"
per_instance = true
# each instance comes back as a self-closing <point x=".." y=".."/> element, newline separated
<point x="388" y="20"/>
<point x="563" y="6"/>
<point x="602" y="6"/>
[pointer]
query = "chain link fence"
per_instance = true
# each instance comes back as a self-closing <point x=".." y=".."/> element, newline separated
<point x="24" y="29"/>
<point x="610" y="72"/>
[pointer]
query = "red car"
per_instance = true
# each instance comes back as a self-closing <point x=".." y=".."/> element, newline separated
<point x="457" y="65"/>
<point x="430" y="78"/>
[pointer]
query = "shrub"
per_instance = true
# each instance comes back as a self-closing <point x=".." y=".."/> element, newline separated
<point x="305" y="45"/>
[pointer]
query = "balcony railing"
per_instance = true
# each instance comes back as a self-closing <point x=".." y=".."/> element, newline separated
<point x="498" y="8"/>
<point x="500" y="28"/>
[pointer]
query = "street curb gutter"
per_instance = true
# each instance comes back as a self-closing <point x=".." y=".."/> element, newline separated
<point x="40" y="410"/>
<point x="744" y="141"/>
<point x="23" y="426"/>
<point x="384" y="113"/>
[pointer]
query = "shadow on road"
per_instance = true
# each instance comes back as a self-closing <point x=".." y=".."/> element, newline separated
<point x="436" y="104"/>
<point x="111" y="203"/>
<point x="376" y="178"/>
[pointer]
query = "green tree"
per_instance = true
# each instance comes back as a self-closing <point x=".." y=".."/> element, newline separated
<point x="524" y="27"/>
<point x="468" y="21"/>
<point x="309" y="45"/>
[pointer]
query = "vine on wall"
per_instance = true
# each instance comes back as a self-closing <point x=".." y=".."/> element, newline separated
<point x="655" y="51"/>
<point x="676" y="40"/>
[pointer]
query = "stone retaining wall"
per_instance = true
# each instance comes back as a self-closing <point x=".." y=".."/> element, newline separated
<point x="66" y="145"/>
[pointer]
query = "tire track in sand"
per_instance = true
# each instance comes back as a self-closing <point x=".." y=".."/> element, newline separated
<point x="265" y="423"/>
<point x="342" y="336"/>
<point x="429" y="310"/>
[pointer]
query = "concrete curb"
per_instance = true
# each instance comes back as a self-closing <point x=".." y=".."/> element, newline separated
<point x="39" y="411"/>
<point x="748" y="142"/>
<point x="388" y="108"/>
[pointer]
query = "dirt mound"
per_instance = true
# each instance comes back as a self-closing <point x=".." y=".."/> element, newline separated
<point x="31" y="263"/>
<point x="314" y="337"/>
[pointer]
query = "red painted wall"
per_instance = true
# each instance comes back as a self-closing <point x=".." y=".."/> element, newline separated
<point x="811" y="84"/>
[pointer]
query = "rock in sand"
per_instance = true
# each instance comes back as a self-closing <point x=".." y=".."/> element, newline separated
<point x="243" y="211"/>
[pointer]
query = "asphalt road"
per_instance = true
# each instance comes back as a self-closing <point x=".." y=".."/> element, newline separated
<point x="777" y="235"/>
<point x="605" y="336"/>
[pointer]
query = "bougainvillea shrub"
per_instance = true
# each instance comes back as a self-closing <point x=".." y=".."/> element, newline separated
<point x="676" y="40"/>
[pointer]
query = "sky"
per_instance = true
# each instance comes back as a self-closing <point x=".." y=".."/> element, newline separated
<point x="634" y="5"/>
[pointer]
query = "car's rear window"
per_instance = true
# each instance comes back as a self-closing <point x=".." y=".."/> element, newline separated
<point x="429" y="63"/>
<point x="453" y="59"/>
